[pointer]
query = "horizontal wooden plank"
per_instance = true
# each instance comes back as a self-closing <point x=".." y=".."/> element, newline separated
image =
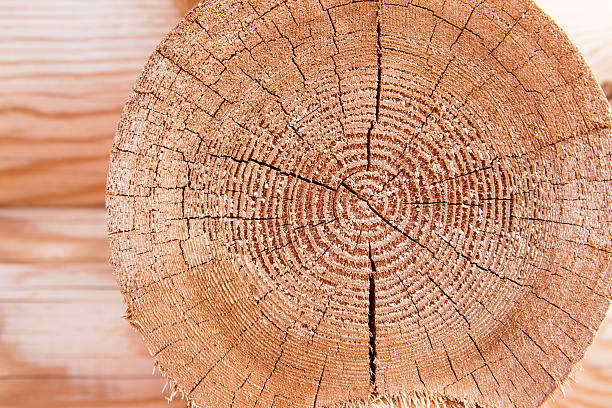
<point x="68" y="65"/>
<point x="67" y="68"/>
<point x="83" y="393"/>
<point x="63" y="342"/>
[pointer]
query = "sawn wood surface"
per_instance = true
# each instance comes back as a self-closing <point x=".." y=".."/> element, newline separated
<point x="66" y="68"/>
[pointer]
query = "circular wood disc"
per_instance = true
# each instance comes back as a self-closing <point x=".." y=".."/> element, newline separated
<point x="336" y="202"/>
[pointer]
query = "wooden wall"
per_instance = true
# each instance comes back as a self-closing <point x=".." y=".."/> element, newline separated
<point x="66" y="67"/>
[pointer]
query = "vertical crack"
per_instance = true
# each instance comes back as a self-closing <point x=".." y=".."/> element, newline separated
<point x="378" y="85"/>
<point x="379" y="59"/>
<point x="372" y="319"/>
<point x="368" y="143"/>
<point x="314" y="405"/>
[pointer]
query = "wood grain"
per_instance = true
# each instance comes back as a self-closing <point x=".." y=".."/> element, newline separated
<point x="364" y="201"/>
<point x="66" y="69"/>
<point x="63" y="342"/>
<point x="589" y="25"/>
<point x="591" y="386"/>
<point x="62" y="339"/>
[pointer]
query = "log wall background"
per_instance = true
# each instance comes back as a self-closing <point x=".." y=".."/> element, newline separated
<point x="66" y="68"/>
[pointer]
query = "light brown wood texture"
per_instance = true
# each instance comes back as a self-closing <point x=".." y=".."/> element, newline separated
<point x="66" y="67"/>
<point x="330" y="203"/>
<point x="590" y="386"/>
<point x="63" y="342"/>
<point x="589" y="26"/>
<point x="55" y="78"/>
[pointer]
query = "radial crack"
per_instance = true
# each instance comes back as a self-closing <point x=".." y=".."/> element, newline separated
<point x="378" y="86"/>
<point x="271" y="167"/>
<point x="372" y="319"/>
<point x="368" y="144"/>
<point x="379" y="59"/>
<point x="385" y="220"/>
<point x="319" y="383"/>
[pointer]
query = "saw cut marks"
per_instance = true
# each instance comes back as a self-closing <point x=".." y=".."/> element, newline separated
<point x="343" y="203"/>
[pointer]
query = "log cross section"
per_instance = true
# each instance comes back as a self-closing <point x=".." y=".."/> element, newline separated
<point x="342" y="203"/>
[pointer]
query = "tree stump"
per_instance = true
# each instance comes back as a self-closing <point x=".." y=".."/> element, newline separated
<point x="343" y="203"/>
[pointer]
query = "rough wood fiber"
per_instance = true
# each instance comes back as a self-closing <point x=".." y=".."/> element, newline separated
<point x="590" y="384"/>
<point x="328" y="203"/>
<point x="594" y="40"/>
